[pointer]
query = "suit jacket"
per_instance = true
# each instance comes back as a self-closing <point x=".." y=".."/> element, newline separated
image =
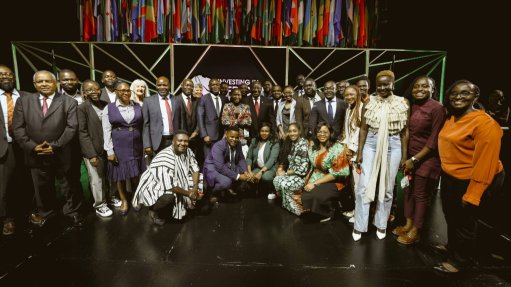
<point x="270" y="154"/>
<point x="319" y="114"/>
<point x="153" y="123"/>
<point x="265" y="114"/>
<point x="190" y="117"/>
<point x="58" y="128"/>
<point x="3" y="132"/>
<point x="90" y="130"/>
<point x="210" y="124"/>
<point x="302" y="113"/>
<point x="104" y="96"/>
<point x="219" y="160"/>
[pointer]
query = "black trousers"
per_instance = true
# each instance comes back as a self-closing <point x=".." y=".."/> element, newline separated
<point x="462" y="218"/>
<point x="7" y="172"/>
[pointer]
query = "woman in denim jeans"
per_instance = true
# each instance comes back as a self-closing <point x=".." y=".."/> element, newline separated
<point x="382" y="148"/>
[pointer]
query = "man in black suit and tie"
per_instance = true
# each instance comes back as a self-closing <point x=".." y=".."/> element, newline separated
<point x="109" y="79"/>
<point x="261" y="109"/>
<point x="162" y="116"/>
<point x="90" y="134"/>
<point x="304" y="106"/>
<point x="189" y="105"/>
<point x="330" y="109"/>
<point x="299" y="88"/>
<point x="209" y="116"/>
<point x="11" y="156"/>
<point x="44" y="123"/>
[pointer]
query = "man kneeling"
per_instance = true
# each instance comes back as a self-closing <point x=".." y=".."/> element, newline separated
<point x="171" y="181"/>
<point x="225" y="164"/>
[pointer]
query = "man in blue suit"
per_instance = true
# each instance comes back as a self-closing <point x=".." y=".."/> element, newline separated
<point x="209" y="116"/>
<point x="162" y="116"/>
<point x="225" y="166"/>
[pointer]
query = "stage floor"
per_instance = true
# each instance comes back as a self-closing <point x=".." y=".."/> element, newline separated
<point x="251" y="242"/>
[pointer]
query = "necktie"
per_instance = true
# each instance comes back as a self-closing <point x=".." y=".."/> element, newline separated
<point x="10" y="112"/>
<point x="233" y="162"/>
<point x="256" y="105"/>
<point x="189" y="104"/>
<point x="330" y="111"/>
<point x="169" y="114"/>
<point x="217" y="106"/>
<point x="45" y="106"/>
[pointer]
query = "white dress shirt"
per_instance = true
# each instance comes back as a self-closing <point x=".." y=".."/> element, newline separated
<point x="334" y="105"/>
<point x="164" y="116"/>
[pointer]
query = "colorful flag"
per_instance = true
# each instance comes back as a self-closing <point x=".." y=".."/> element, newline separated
<point x="218" y="21"/>
<point x="115" y="20"/>
<point x="300" y="22"/>
<point x="89" y="25"/>
<point x="361" y="24"/>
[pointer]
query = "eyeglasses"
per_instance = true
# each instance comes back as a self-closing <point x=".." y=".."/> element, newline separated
<point x="7" y="75"/>
<point x="124" y="91"/>
<point x="323" y="132"/>
<point x="463" y="94"/>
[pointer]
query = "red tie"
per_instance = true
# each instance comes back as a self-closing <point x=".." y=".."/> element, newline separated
<point x="189" y="104"/>
<point x="256" y="104"/>
<point x="10" y="112"/>
<point x="169" y="114"/>
<point x="45" y="106"/>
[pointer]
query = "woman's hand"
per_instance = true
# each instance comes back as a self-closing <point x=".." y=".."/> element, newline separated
<point x="309" y="187"/>
<point x="408" y="166"/>
<point x="281" y="172"/>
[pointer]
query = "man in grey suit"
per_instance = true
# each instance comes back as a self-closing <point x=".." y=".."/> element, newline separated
<point x="11" y="156"/>
<point x="90" y="135"/>
<point x="43" y="124"/>
<point x="209" y="116"/>
<point x="304" y="106"/>
<point x="330" y="109"/>
<point x="109" y="79"/>
<point x="162" y="116"/>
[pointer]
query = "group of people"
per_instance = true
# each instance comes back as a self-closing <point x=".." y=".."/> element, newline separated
<point x="320" y="153"/>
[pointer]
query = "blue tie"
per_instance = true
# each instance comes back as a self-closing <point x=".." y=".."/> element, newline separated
<point x="330" y="111"/>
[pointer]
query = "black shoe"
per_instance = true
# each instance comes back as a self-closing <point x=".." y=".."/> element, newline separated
<point x="37" y="219"/>
<point x="442" y="268"/>
<point x="78" y="221"/>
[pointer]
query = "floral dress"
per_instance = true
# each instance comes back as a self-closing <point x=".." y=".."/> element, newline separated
<point x="290" y="186"/>
<point x="239" y="116"/>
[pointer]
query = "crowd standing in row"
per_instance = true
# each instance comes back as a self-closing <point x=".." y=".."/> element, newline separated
<point x="311" y="149"/>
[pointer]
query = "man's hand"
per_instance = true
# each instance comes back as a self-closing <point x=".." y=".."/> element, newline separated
<point x="194" y="135"/>
<point x="193" y="194"/>
<point x="245" y="177"/>
<point x="113" y="158"/>
<point x="148" y="151"/>
<point x="207" y="140"/>
<point x="43" y="149"/>
<point x="93" y="161"/>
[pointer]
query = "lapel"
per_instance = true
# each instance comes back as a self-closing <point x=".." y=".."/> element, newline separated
<point x="338" y="112"/>
<point x="57" y="101"/>
<point x="93" y="116"/>
<point x="266" y="152"/>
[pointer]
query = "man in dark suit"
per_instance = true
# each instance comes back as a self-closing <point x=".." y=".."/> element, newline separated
<point x="224" y="92"/>
<point x="162" y="116"/>
<point x="11" y="156"/>
<point x="189" y="105"/>
<point x="225" y="165"/>
<point x="109" y="79"/>
<point x="330" y="109"/>
<point x="70" y="85"/>
<point x="299" y="86"/>
<point x="44" y="123"/>
<point x="90" y="134"/>
<point x="304" y="106"/>
<point x="267" y="89"/>
<point x="209" y="116"/>
<point x="261" y="109"/>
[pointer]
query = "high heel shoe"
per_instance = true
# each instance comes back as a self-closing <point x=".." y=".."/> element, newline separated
<point x="124" y="208"/>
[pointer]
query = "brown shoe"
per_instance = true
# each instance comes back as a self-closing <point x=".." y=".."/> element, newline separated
<point x="9" y="228"/>
<point x="400" y="230"/>
<point x="37" y="219"/>
<point x="409" y="238"/>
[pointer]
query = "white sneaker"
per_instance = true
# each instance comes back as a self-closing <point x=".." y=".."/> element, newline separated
<point x="356" y="236"/>
<point x="349" y="213"/>
<point x="380" y="235"/>
<point x="271" y="196"/>
<point x="326" y="219"/>
<point x="104" y="211"/>
<point x="115" y="202"/>
<point x="351" y="220"/>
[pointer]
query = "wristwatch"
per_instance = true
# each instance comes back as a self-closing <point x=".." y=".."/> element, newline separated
<point x="414" y="160"/>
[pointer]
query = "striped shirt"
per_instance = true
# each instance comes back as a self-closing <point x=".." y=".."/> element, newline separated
<point x="167" y="171"/>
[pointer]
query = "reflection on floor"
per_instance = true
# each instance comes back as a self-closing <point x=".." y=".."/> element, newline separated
<point x="250" y="242"/>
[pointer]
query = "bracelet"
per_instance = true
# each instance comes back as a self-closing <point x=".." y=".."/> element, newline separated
<point x="414" y="160"/>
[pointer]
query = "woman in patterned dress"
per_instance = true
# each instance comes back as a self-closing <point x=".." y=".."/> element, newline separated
<point x="329" y="174"/>
<point x="293" y="164"/>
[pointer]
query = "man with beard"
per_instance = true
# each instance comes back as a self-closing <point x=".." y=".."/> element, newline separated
<point x="171" y="182"/>
<point x="44" y="124"/>
<point x="260" y="109"/>
<point x="90" y="134"/>
<point x="267" y="88"/>
<point x="109" y="79"/>
<point x="11" y="156"/>
<point x="330" y="109"/>
<point x="209" y="115"/>
<point x="299" y="89"/>
<point x="304" y="106"/>
<point x="162" y="116"/>
<point x="340" y="87"/>
<point x="69" y="85"/>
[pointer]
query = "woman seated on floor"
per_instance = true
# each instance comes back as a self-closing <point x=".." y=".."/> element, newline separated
<point x="330" y="170"/>
<point x="293" y="164"/>
<point x="262" y="159"/>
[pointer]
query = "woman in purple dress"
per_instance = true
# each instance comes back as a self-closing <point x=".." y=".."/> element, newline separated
<point x="122" y="129"/>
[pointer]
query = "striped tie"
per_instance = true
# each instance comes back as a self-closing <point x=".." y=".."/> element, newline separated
<point x="10" y="112"/>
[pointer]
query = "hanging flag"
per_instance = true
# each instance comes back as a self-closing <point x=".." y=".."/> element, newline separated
<point x="195" y="21"/>
<point x="335" y="19"/>
<point x="277" y="27"/>
<point x="361" y="24"/>
<point x="321" y="11"/>
<point x="160" y="12"/>
<point x="89" y="25"/>
<point x="218" y="22"/>
<point x="300" y="22"/>
<point x="177" y="21"/>
<point x="238" y="11"/>
<point x="108" y="21"/>
<point x="115" y="20"/>
<point x="98" y="13"/>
